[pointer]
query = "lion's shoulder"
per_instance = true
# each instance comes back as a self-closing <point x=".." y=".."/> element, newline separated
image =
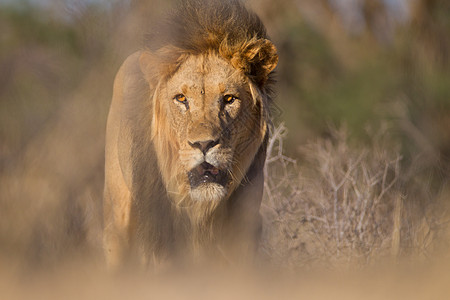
<point x="130" y="92"/>
<point x="129" y="77"/>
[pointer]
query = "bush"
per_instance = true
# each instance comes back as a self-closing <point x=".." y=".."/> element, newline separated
<point x="346" y="205"/>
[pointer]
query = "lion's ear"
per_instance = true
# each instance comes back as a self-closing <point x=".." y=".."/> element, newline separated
<point x="257" y="59"/>
<point x="161" y="63"/>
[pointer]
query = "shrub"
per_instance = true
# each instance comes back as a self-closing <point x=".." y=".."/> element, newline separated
<point x="345" y="205"/>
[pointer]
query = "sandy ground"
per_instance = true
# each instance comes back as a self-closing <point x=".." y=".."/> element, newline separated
<point x="81" y="281"/>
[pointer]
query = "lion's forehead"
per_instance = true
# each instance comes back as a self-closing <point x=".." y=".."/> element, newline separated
<point x="208" y="75"/>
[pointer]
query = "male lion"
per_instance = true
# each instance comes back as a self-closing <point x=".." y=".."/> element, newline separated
<point x="186" y="138"/>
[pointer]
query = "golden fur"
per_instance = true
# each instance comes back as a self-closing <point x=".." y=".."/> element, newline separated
<point x="159" y="149"/>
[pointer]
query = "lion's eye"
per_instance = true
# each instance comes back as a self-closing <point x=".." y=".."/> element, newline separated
<point x="180" y="98"/>
<point x="228" y="99"/>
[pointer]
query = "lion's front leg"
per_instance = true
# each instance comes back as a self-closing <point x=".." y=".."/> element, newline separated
<point x="117" y="228"/>
<point x="245" y="222"/>
<point x="115" y="247"/>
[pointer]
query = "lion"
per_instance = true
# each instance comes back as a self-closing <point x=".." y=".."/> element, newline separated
<point x="186" y="139"/>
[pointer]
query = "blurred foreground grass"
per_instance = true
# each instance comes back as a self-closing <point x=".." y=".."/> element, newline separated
<point x="86" y="283"/>
<point x="376" y="192"/>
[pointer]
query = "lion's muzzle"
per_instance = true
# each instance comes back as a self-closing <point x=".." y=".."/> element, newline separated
<point x="207" y="164"/>
<point x="206" y="173"/>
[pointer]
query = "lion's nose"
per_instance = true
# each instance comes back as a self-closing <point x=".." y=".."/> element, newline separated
<point x="204" y="146"/>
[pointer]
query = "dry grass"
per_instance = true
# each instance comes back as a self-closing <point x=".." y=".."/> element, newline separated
<point x="345" y="206"/>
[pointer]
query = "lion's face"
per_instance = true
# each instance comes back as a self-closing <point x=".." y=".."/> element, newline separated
<point x="214" y="124"/>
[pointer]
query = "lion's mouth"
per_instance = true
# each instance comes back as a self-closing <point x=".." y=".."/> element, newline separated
<point x="206" y="173"/>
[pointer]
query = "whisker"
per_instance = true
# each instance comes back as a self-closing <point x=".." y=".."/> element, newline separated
<point x="244" y="176"/>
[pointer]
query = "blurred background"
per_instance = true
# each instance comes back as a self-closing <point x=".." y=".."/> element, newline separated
<point x="368" y="68"/>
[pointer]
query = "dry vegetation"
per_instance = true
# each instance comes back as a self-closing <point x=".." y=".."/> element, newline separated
<point x="345" y="206"/>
